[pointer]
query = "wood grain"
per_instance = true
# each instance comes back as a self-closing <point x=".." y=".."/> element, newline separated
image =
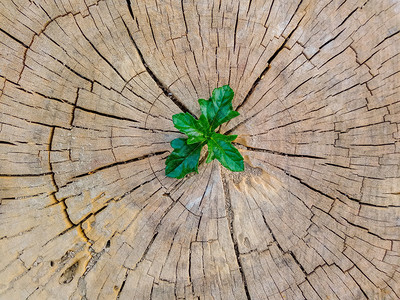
<point x="87" y="93"/>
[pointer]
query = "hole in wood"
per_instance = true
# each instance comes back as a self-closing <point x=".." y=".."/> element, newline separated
<point x="69" y="274"/>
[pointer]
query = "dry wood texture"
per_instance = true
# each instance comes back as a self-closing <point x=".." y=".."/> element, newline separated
<point x="88" y="89"/>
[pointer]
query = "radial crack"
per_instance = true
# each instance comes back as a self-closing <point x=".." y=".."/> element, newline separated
<point x="246" y="98"/>
<point x="120" y="163"/>
<point x="230" y="216"/>
<point x="161" y="85"/>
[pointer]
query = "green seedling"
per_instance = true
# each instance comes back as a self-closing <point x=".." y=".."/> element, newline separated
<point x="200" y="132"/>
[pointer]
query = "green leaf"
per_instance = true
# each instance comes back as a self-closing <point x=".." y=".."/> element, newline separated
<point x="184" y="159"/>
<point x="215" y="111"/>
<point x="220" y="147"/>
<point x="195" y="139"/>
<point x="193" y="128"/>
<point x="218" y="109"/>
<point x="204" y="124"/>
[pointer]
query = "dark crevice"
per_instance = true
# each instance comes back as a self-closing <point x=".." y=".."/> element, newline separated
<point x="121" y="163"/>
<point x="52" y="98"/>
<point x="25" y="197"/>
<point x="147" y="248"/>
<point x="269" y="13"/>
<point x="161" y="85"/>
<point x="333" y="57"/>
<point x="283" y="125"/>
<point x="151" y="27"/>
<point x="128" y="2"/>
<point x="51" y="165"/>
<point x="207" y="185"/>
<point x="14" y="38"/>
<point x="326" y="43"/>
<point x="101" y="55"/>
<point x="384" y="79"/>
<point x="266" y="69"/>
<point x="347" y="129"/>
<point x="373" y="145"/>
<point x="230" y="216"/>
<point x="67" y="217"/>
<point x="363" y="228"/>
<point x="344" y="21"/>
<point x="279" y="153"/>
<point x="190" y="266"/>
<point x="105" y="114"/>
<point x="317" y="15"/>
<point x="304" y="82"/>
<point x="41" y="7"/>
<point x="130" y="88"/>
<point x="295" y="12"/>
<point x="7" y="143"/>
<point x="264" y="108"/>
<point x="236" y="25"/>
<point x="188" y="210"/>
<point x="345" y="90"/>
<point x="47" y="125"/>
<point x="296" y="261"/>
<point x="355" y="280"/>
<point x="339" y="166"/>
<point x="306" y="184"/>
<point x="365" y="60"/>
<point x="280" y="247"/>
<point x="340" y="5"/>
<point x="25" y="175"/>
<point x="74" y="108"/>
<point x="366" y="203"/>
<point x="137" y="187"/>
<point x="152" y="289"/>
<point x="70" y="69"/>
<point x="123" y="282"/>
<point x="388" y="37"/>
<point x="93" y="213"/>
<point x="184" y="18"/>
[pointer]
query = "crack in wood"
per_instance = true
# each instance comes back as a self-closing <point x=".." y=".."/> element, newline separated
<point x="263" y="73"/>
<point x="123" y="282"/>
<point x="120" y="163"/>
<point x="14" y="38"/>
<point x="159" y="83"/>
<point x="281" y="249"/>
<point x="306" y="184"/>
<point x="278" y="153"/>
<point x="105" y="114"/>
<point x="356" y="167"/>
<point x="230" y="216"/>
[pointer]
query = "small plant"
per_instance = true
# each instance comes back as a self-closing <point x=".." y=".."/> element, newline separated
<point x="215" y="111"/>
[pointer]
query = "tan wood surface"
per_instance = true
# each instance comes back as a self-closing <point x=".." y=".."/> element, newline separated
<point x="87" y="92"/>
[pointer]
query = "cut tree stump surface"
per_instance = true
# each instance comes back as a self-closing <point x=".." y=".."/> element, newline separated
<point x="88" y="89"/>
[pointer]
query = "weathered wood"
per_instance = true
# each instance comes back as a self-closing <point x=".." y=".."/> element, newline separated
<point x="87" y="92"/>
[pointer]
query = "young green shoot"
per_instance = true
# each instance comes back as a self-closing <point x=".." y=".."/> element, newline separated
<point x="200" y="132"/>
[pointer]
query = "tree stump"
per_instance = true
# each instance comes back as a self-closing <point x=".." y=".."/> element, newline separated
<point x="88" y="89"/>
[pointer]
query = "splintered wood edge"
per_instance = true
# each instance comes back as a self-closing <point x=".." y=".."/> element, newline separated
<point x="87" y="92"/>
